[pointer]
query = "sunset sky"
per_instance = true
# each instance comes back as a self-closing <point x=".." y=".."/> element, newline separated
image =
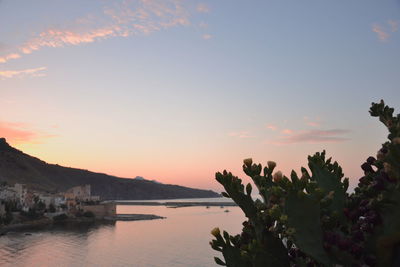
<point x="175" y="90"/>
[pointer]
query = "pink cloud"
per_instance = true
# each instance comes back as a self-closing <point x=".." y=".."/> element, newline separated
<point x="312" y="137"/>
<point x="381" y="32"/>
<point x="272" y="127"/>
<point x="36" y="72"/>
<point x="241" y="134"/>
<point x="207" y="36"/>
<point x="123" y="19"/>
<point x="312" y="123"/>
<point x="16" y="132"/>
<point x="287" y="131"/>
<point x="9" y="57"/>
<point x="202" y="8"/>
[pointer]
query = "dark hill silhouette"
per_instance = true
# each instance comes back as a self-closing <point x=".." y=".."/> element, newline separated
<point x="18" y="167"/>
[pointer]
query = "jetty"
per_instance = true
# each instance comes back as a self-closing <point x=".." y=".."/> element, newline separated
<point x="175" y="204"/>
<point x="133" y="217"/>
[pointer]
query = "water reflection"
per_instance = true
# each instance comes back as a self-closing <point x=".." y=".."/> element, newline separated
<point x="180" y="240"/>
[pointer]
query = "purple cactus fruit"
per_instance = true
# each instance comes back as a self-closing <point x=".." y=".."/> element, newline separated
<point x="344" y="244"/>
<point x="358" y="236"/>
<point x="364" y="202"/>
<point x="371" y="160"/>
<point x="356" y="250"/>
<point x="370" y="260"/>
<point x="366" y="167"/>
<point x="378" y="185"/>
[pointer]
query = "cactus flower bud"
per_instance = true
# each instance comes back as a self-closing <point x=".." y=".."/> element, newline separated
<point x="290" y="231"/>
<point x="380" y="155"/>
<point x="387" y="167"/>
<point x="283" y="218"/>
<point x="277" y="176"/>
<point x="271" y="165"/>
<point x="248" y="161"/>
<point x="216" y="232"/>
<point x="396" y="140"/>
<point x="304" y="176"/>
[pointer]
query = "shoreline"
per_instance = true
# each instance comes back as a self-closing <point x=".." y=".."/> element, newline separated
<point x="46" y="222"/>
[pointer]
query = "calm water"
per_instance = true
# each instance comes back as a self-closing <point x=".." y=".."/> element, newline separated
<point x="180" y="240"/>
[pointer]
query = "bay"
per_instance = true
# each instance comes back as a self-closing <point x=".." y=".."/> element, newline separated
<point x="180" y="240"/>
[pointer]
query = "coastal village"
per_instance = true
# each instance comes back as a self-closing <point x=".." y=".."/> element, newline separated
<point x="19" y="204"/>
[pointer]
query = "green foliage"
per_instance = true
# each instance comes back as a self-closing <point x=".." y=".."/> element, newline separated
<point x="7" y="218"/>
<point x="52" y="208"/>
<point x="311" y="220"/>
<point x="60" y="218"/>
<point x="88" y="214"/>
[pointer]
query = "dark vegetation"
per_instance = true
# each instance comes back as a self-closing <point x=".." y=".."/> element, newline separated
<point x="312" y="220"/>
<point x="18" y="167"/>
<point x="60" y="218"/>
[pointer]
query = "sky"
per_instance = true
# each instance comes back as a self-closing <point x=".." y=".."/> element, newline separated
<point x="176" y="90"/>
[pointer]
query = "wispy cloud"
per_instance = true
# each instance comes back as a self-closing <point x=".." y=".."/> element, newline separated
<point x="384" y="31"/>
<point x="36" y="72"/>
<point x="312" y="123"/>
<point x="203" y="25"/>
<point x="207" y="36"/>
<point x="394" y="25"/>
<point x="121" y="19"/>
<point x="17" y="133"/>
<point x="272" y="127"/>
<point x="312" y="137"/>
<point x="202" y="8"/>
<point x="8" y="57"/>
<point x="287" y="131"/>
<point x="380" y="31"/>
<point x="241" y="134"/>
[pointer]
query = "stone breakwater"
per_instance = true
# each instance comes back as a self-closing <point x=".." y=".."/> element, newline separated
<point x="176" y="204"/>
<point x="133" y="217"/>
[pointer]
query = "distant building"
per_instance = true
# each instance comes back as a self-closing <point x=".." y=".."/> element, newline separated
<point x="46" y="199"/>
<point x="59" y="200"/>
<point x="8" y="194"/>
<point x="101" y="210"/>
<point x="21" y="190"/>
<point x="2" y="209"/>
<point x="79" y="194"/>
<point x="28" y="201"/>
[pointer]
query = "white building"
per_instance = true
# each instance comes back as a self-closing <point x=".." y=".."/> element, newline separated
<point x="81" y="193"/>
<point x="8" y="193"/>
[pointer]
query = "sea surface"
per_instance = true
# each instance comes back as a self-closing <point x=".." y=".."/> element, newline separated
<point x="182" y="239"/>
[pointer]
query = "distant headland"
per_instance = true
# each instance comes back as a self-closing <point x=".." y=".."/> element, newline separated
<point x="18" y="167"/>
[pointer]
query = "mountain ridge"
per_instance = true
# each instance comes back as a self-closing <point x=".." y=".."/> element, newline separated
<point x="18" y="167"/>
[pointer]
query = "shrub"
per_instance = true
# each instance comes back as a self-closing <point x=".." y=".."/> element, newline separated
<point x="60" y="218"/>
<point x="311" y="219"/>
<point x="88" y="214"/>
<point x="52" y="208"/>
<point x="32" y="214"/>
<point x="7" y="219"/>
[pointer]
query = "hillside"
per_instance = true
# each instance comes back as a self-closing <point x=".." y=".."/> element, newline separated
<point x="18" y="167"/>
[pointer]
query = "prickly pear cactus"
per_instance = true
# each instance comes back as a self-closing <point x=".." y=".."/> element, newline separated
<point x="312" y="220"/>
